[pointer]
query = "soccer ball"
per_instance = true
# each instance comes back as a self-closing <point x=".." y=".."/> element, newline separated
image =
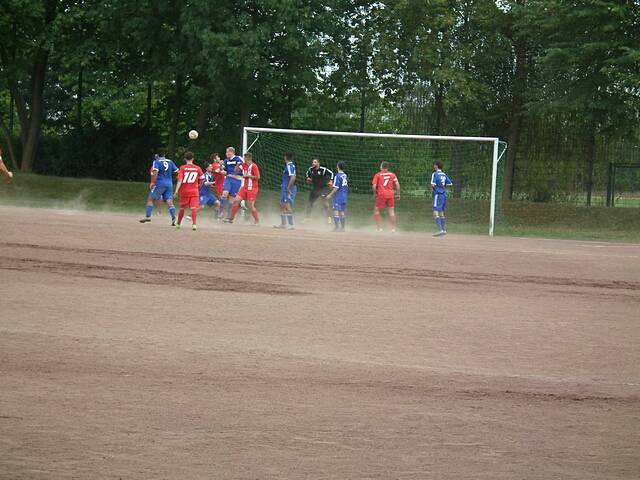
<point x="193" y="134"/>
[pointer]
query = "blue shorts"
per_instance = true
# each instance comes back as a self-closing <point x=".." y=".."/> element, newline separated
<point x="339" y="206"/>
<point x="208" y="199"/>
<point x="286" y="198"/>
<point x="439" y="202"/>
<point x="231" y="185"/>
<point x="161" y="192"/>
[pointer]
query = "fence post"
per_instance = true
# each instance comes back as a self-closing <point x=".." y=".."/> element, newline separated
<point x="610" y="185"/>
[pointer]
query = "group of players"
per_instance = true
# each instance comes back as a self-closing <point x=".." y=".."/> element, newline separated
<point x="235" y="181"/>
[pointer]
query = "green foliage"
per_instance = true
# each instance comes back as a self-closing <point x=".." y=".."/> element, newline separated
<point x="559" y="78"/>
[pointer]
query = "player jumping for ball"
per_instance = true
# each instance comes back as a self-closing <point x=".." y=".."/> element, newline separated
<point x="439" y="182"/>
<point x="218" y="176"/>
<point x="249" y="190"/>
<point x="161" y="186"/>
<point x="233" y="179"/>
<point x="207" y="197"/>
<point x="3" y="168"/>
<point x="340" y="195"/>
<point x="288" y="193"/>
<point x="190" y="179"/>
<point x="386" y="190"/>
<point x="321" y="180"/>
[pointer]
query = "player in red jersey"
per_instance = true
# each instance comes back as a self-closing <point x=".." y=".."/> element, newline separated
<point x="190" y="178"/>
<point x="386" y="189"/>
<point x="218" y="173"/>
<point x="249" y="190"/>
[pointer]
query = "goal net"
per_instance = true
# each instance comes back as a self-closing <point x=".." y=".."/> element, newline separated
<point x="473" y="163"/>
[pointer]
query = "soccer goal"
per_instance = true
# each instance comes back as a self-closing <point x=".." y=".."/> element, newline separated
<point x="473" y="163"/>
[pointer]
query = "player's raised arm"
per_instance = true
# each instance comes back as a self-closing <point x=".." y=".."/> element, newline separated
<point x="3" y="168"/>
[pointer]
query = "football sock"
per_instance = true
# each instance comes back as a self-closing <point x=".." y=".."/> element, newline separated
<point x="254" y="214"/>
<point x="342" y="222"/>
<point x="336" y="221"/>
<point x="194" y="215"/>
<point x="283" y="219"/>
<point x="172" y="212"/>
<point x="149" y="211"/>
<point x="392" y="221"/>
<point x="234" y="210"/>
<point x="378" y="219"/>
<point x="290" y="219"/>
<point x="442" y="224"/>
<point x="180" y="215"/>
<point x="223" y="206"/>
<point x="438" y="223"/>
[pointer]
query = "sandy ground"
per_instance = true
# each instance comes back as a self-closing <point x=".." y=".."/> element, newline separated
<point x="140" y="351"/>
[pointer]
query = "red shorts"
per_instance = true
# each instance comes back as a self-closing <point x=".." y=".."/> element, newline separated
<point x="189" y="202"/>
<point x="248" y="195"/>
<point x="385" y="202"/>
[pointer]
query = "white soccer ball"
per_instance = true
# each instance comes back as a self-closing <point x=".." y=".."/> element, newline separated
<point x="193" y="134"/>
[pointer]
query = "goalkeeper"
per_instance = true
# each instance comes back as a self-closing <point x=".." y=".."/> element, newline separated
<point x="321" y="180"/>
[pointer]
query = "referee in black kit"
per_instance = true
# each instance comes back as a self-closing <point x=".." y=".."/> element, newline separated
<point x="321" y="180"/>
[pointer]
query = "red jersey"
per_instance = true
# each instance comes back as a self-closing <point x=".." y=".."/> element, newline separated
<point x="217" y="176"/>
<point x="384" y="182"/>
<point x="190" y="175"/>
<point x="250" y="183"/>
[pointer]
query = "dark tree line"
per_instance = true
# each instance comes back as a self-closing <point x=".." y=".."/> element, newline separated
<point x="89" y="88"/>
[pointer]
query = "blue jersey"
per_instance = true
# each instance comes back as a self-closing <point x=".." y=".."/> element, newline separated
<point x="233" y="166"/>
<point x="289" y="171"/>
<point x="340" y="182"/>
<point x="205" y="189"/>
<point x="440" y="180"/>
<point x="166" y="168"/>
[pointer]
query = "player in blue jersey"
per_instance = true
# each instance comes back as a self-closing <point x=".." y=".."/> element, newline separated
<point x="232" y="170"/>
<point x="340" y="195"/>
<point x="439" y="182"/>
<point x="288" y="193"/>
<point x="161" y="186"/>
<point x="207" y="197"/>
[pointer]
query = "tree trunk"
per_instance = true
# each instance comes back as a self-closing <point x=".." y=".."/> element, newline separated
<point x="175" y="114"/>
<point x="439" y="105"/>
<point x="363" y="108"/>
<point x="201" y="119"/>
<point x="149" y="93"/>
<point x="591" y="154"/>
<point x="30" y="146"/>
<point x="9" y="141"/>
<point x="516" y="116"/>
<point x="245" y="111"/>
<point x="79" y="102"/>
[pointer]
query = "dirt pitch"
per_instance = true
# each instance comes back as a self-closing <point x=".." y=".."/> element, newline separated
<point x="138" y="351"/>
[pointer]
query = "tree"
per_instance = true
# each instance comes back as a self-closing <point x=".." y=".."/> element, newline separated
<point x="25" y="60"/>
<point x="590" y="59"/>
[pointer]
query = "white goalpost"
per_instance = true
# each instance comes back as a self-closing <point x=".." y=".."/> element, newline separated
<point x="474" y="160"/>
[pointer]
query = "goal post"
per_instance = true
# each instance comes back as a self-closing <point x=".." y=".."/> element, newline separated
<point x="473" y="163"/>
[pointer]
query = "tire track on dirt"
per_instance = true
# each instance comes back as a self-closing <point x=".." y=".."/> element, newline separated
<point x="396" y="272"/>
<point x="195" y="281"/>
